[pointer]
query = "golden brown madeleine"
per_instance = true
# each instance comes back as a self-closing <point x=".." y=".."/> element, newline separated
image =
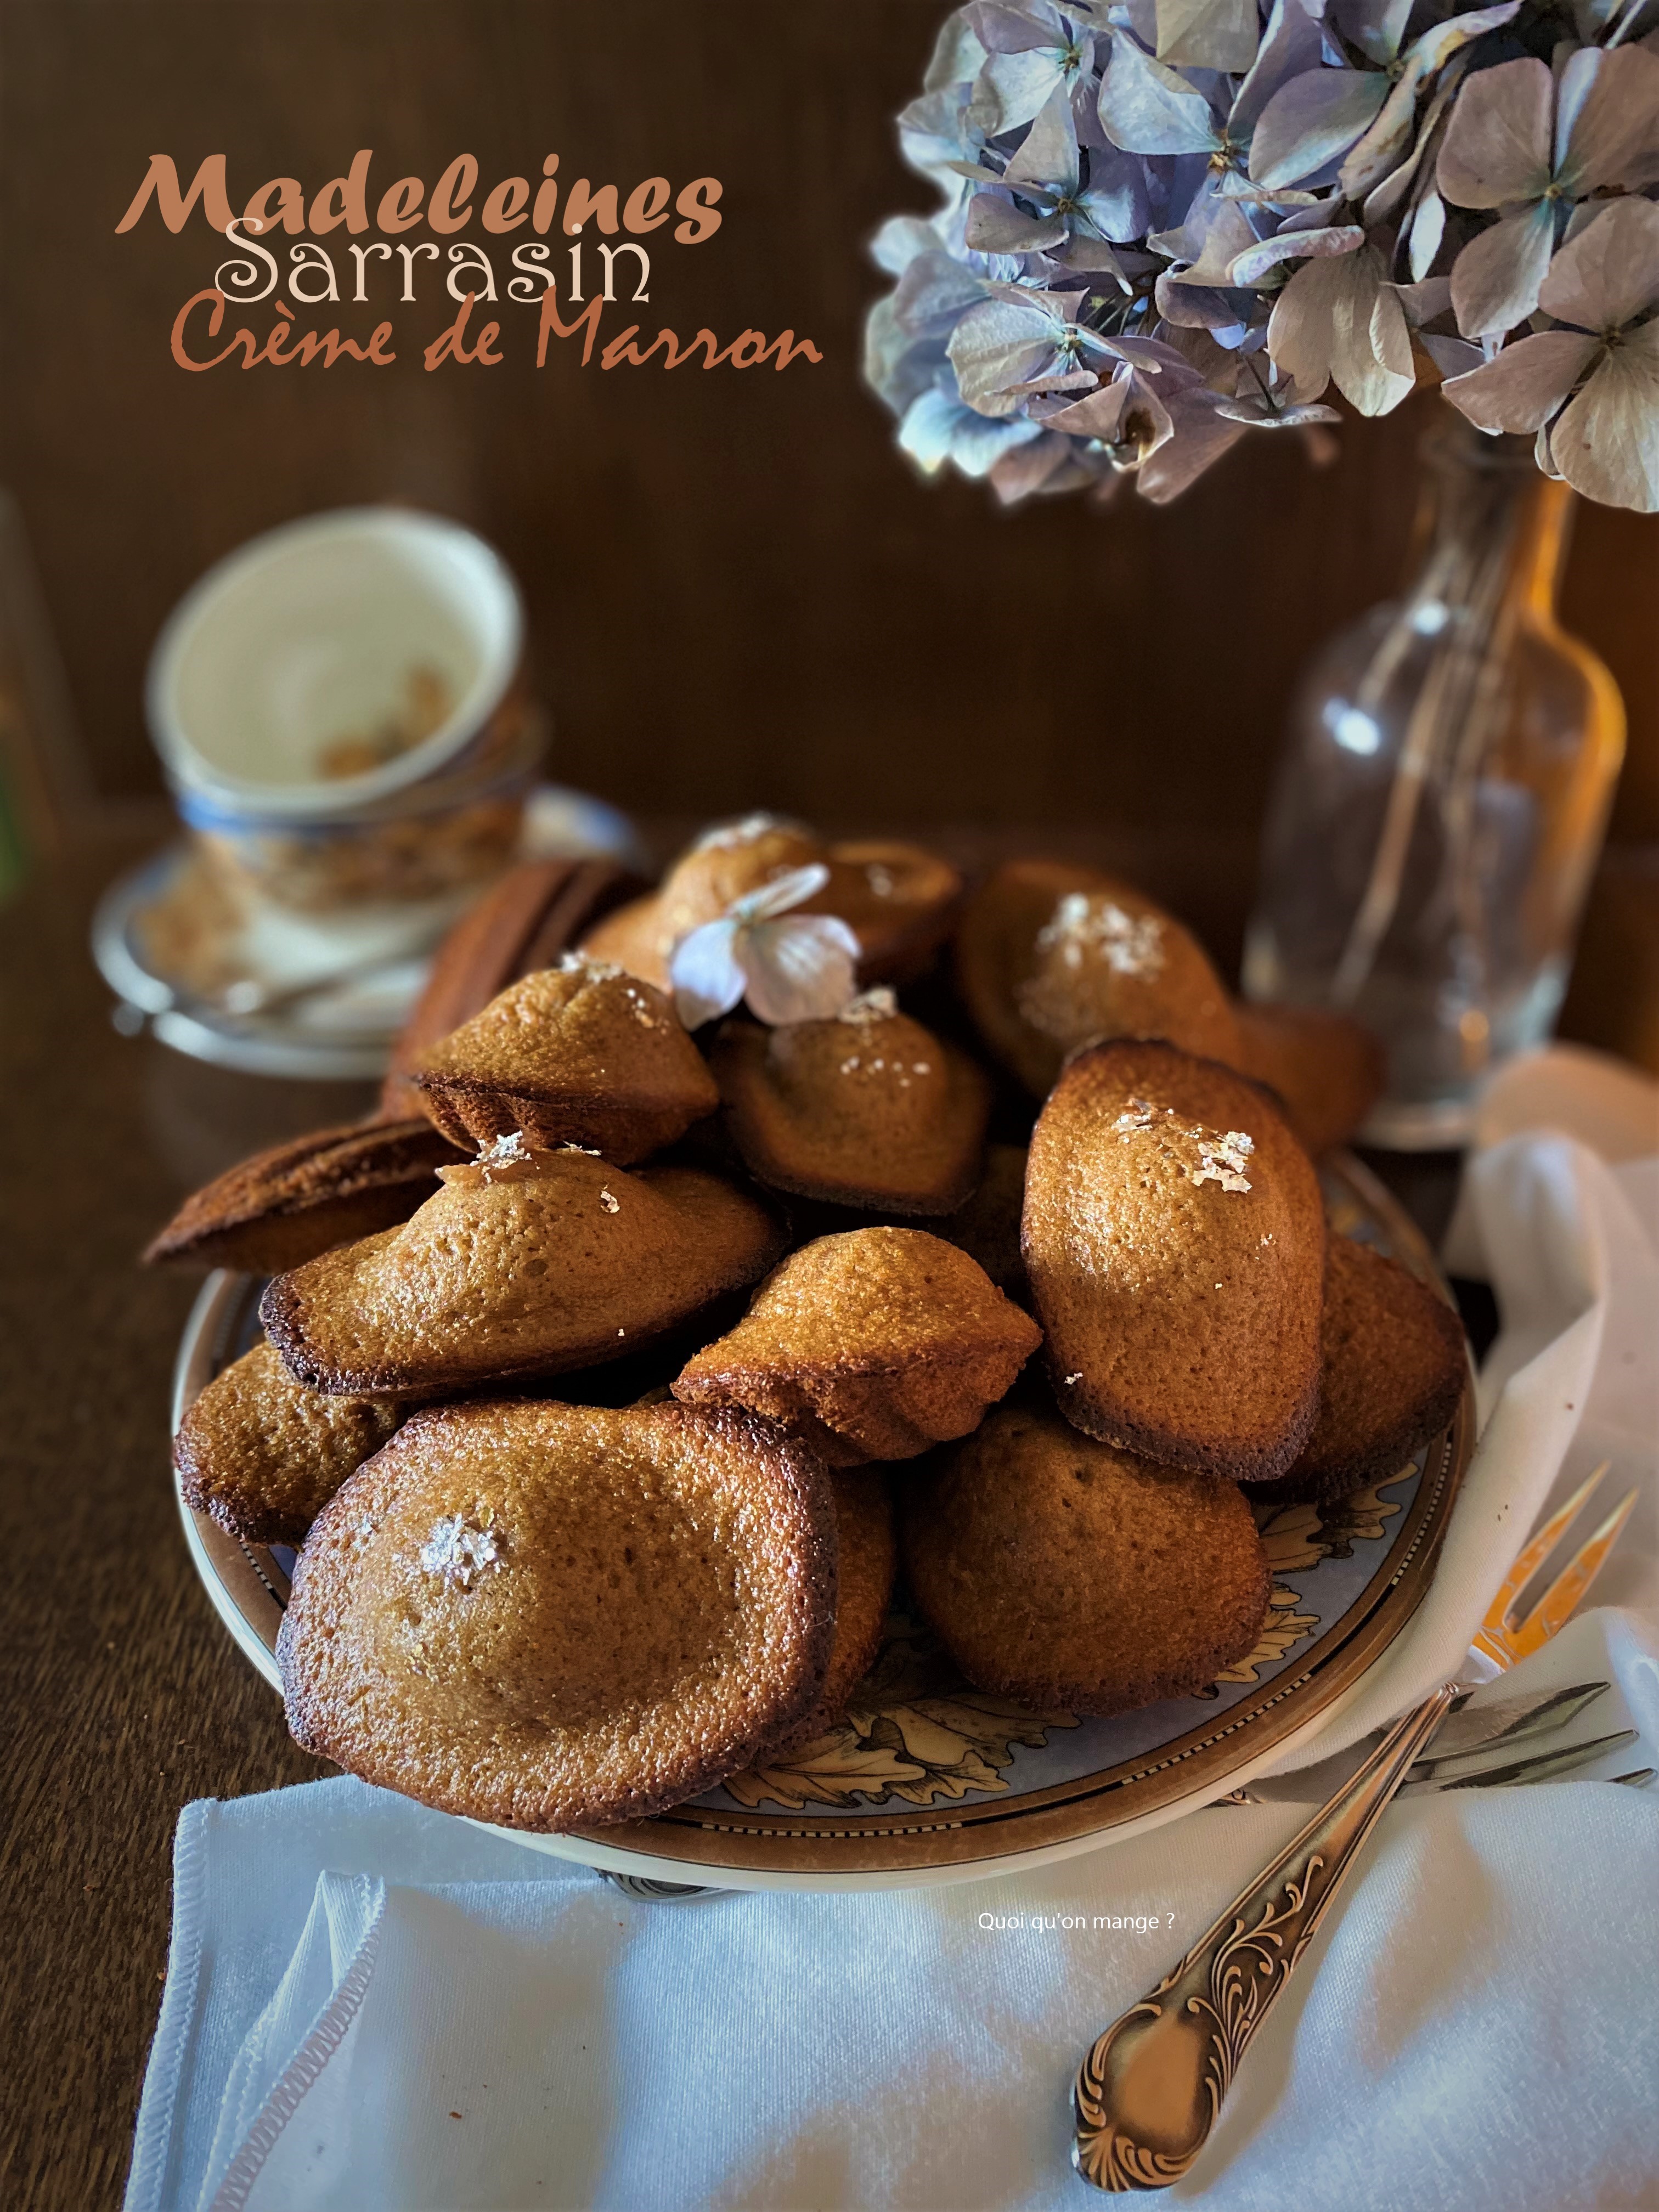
<point x="869" y="1110"/>
<point x="872" y="1345"/>
<point x="1065" y="1573"/>
<point x="867" y="1563"/>
<point x="262" y="1455"/>
<point x="1328" y="1070"/>
<point x="551" y="1616"/>
<point x="580" y="1054"/>
<point x="526" y="1262"/>
<point x="1393" y="1363"/>
<point x="286" y="1204"/>
<point x="897" y="899"/>
<point x="1174" y="1244"/>
<point x="987" y="1227"/>
<point x="1051" y="956"/>
<point x="530" y="916"/>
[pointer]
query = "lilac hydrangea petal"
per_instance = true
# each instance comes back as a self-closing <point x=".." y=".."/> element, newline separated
<point x="1608" y="120"/>
<point x="1224" y="235"/>
<point x="1049" y="155"/>
<point x="1201" y="437"/>
<point x="1609" y="273"/>
<point x="1013" y="89"/>
<point x="933" y="293"/>
<point x="1497" y="146"/>
<point x="899" y="241"/>
<point x="1262" y="416"/>
<point x="1429" y="297"/>
<point x="1383" y="144"/>
<point x="994" y="226"/>
<point x="1252" y="266"/>
<point x="1428" y="228"/>
<point x="1495" y="280"/>
<point x="959" y="54"/>
<point x="1382" y="199"/>
<point x="895" y="366"/>
<point x="1225" y="315"/>
<point x="1216" y="34"/>
<point x="1091" y="256"/>
<point x="1116" y="201"/>
<point x="704" y="972"/>
<point x="800" y="968"/>
<point x="1001" y="29"/>
<point x="938" y="428"/>
<point x="1312" y="120"/>
<point x="1030" y="468"/>
<point x="1337" y="320"/>
<point x="1451" y="357"/>
<point x="1376" y="26"/>
<point x="1524" y="387"/>
<point x="1291" y="44"/>
<point x="1098" y="416"/>
<point x="1146" y="108"/>
<point x="1607" y="441"/>
<point x="997" y="345"/>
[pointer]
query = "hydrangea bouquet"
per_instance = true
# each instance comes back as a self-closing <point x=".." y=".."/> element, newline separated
<point x="1169" y="223"/>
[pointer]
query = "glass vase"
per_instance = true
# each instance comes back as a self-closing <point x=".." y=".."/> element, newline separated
<point x="1442" y="798"/>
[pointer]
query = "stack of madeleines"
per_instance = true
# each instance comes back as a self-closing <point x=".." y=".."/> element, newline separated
<point x="613" y="1374"/>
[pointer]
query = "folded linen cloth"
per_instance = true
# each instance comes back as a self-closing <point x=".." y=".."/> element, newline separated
<point x="370" y="2005"/>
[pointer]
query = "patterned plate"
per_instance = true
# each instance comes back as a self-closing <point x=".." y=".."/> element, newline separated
<point x="928" y="1780"/>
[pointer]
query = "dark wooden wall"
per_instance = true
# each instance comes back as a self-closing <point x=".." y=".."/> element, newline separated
<point x="739" y="593"/>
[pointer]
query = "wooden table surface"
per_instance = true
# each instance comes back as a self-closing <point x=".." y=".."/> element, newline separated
<point x="124" y="1698"/>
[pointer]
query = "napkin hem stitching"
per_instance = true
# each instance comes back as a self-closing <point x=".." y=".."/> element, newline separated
<point x="301" y="2074"/>
<point x="178" y="2015"/>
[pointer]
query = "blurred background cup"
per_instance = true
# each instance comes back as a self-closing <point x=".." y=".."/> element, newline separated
<point x="341" y="710"/>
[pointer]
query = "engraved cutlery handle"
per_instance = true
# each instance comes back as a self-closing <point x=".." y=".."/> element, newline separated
<point x="1148" y="2092"/>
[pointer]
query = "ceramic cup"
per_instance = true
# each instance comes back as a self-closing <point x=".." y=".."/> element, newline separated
<point x="340" y="708"/>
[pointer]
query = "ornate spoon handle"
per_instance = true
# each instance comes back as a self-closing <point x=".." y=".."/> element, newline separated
<point x="1148" y="2092"/>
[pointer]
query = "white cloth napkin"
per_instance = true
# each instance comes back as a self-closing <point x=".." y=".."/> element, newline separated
<point x="369" y="2005"/>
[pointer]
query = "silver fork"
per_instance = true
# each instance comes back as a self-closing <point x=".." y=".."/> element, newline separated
<point x="1151" y="2087"/>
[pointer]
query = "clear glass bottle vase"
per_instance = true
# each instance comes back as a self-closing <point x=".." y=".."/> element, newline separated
<point x="1442" y="798"/>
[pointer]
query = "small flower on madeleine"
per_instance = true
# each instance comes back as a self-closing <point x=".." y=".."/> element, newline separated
<point x="790" y="967"/>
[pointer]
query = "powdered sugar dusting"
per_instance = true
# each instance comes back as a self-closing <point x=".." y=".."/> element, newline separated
<point x="512" y="1150"/>
<point x="596" y="971"/>
<point x="1084" y="925"/>
<point x="1220" y="1158"/>
<point x="876" y="1004"/>
<point x="459" y="1551"/>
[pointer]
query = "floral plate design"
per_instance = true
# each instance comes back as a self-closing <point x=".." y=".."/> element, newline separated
<point x="927" y="1779"/>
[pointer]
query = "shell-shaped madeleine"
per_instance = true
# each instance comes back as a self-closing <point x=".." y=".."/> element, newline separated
<point x="870" y="1345"/>
<point x="525" y="1263"/>
<point x="285" y="1205"/>
<point x="869" y="1110"/>
<point x="1050" y="957"/>
<point x="581" y="1053"/>
<point x="1393" y="1363"/>
<point x="1174" y="1244"/>
<point x="1063" y="1572"/>
<point x="262" y="1455"/>
<point x="1329" y="1069"/>
<point x="550" y="1616"/>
